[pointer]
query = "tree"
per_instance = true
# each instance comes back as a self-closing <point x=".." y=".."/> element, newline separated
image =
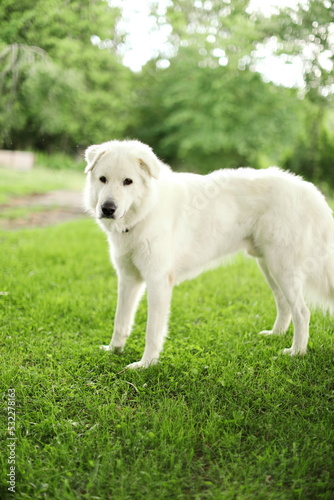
<point x="306" y="34"/>
<point x="222" y="32"/>
<point x="213" y="117"/>
<point x="209" y="104"/>
<point x="209" y="108"/>
<point x="58" y="89"/>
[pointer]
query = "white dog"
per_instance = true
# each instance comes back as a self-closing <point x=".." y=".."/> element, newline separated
<point x="165" y="227"/>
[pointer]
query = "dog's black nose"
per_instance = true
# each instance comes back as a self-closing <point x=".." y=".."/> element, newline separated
<point x="108" y="209"/>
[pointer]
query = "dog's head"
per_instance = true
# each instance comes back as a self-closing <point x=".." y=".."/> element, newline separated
<point x="119" y="177"/>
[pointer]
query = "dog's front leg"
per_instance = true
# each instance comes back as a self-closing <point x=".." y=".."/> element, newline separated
<point x="130" y="291"/>
<point x="159" y="296"/>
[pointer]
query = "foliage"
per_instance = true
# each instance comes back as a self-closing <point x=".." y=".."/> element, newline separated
<point x="212" y="117"/>
<point x="56" y="84"/>
<point x="220" y="32"/>
<point x="63" y="85"/>
<point x="313" y="153"/>
<point x="228" y="34"/>
<point x="307" y="33"/>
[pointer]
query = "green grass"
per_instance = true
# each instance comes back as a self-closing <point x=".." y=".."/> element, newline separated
<point x="222" y="416"/>
<point x="13" y="213"/>
<point x="38" y="180"/>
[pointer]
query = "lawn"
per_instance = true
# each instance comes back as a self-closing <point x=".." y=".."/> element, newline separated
<point x="223" y="415"/>
<point x="39" y="180"/>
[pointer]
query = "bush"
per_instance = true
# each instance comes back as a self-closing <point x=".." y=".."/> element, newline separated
<point x="60" y="161"/>
<point x="313" y="157"/>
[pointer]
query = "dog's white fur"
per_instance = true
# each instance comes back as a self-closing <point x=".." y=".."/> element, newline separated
<point x="168" y="227"/>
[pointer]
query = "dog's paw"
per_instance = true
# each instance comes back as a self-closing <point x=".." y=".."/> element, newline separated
<point x="115" y="349"/>
<point x="272" y="332"/>
<point x="136" y="366"/>
<point x="141" y="364"/>
<point x="105" y="347"/>
<point x="292" y="351"/>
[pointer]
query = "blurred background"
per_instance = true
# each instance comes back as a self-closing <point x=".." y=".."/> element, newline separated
<point x="207" y="83"/>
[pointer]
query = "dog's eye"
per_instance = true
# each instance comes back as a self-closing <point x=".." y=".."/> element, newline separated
<point x="127" y="182"/>
<point x="103" y="179"/>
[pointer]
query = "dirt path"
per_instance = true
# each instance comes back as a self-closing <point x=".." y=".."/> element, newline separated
<point x="40" y="210"/>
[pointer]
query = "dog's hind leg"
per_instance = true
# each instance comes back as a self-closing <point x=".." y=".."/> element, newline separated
<point x="290" y="282"/>
<point x="130" y="291"/>
<point x="283" y="317"/>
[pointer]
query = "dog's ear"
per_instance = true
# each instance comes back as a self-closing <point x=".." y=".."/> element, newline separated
<point x="149" y="162"/>
<point x="92" y="155"/>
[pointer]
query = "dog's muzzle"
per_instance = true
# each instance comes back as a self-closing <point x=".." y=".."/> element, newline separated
<point x="108" y="209"/>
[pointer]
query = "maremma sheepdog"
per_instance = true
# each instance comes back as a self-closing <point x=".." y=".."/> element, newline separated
<point x="165" y="227"/>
